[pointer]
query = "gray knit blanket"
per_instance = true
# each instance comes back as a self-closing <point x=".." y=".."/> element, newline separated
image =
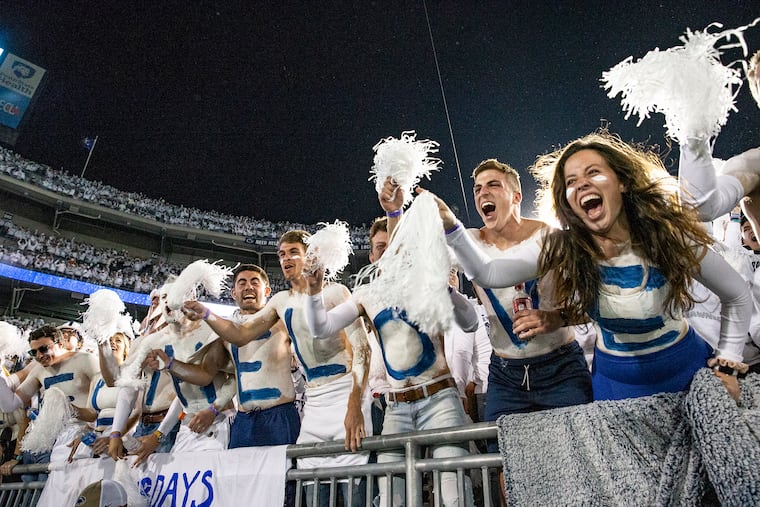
<point x="695" y="448"/>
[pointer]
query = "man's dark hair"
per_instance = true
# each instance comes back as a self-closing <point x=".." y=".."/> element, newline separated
<point x="249" y="267"/>
<point x="294" y="236"/>
<point x="46" y="332"/>
<point x="379" y="224"/>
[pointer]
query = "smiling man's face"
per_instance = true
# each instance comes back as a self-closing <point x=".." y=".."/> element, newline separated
<point x="250" y="291"/>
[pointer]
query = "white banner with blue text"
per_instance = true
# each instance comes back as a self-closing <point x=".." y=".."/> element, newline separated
<point x="192" y="479"/>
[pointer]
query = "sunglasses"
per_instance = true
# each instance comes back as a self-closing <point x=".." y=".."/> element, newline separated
<point x="40" y="350"/>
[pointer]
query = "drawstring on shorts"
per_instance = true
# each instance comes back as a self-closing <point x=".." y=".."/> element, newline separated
<point x="526" y="378"/>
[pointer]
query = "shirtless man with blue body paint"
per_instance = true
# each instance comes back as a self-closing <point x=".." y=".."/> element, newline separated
<point x="423" y="394"/>
<point x="71" y="372"/>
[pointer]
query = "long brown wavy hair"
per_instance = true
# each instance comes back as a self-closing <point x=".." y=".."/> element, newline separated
<point x="663" y="231"/>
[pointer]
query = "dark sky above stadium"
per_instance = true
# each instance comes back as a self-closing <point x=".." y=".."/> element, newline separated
<point x="271" y="109"/>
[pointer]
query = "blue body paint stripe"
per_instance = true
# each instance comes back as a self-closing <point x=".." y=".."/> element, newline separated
<point x="151" y="394"/>
<point x="504" y="319"/>
<point x="246" y="395"/>
<point x="325" y="370"/>
<point x="427" y="357"/>
<point x="630" y="277"/>
<point x="57" y="379"/>
<point x="611" y="344"/>
<point x="94" y="399"/>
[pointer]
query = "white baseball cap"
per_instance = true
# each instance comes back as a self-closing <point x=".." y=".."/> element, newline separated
<point x="105" y="493"/>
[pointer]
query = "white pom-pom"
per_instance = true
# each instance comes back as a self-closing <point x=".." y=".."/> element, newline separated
<point x="131" y="372"/>
<point x="688" y="84"/>
<point x="406" y="161"/>
<point x="55" y="413"/>
<point x="413" y="273"/>
<point x="122" y="473"/>
<point x="11" y="341"/>
<point x="329" y="248"/>
<point x="103" y="318"/>
<point x="201" y="273"/>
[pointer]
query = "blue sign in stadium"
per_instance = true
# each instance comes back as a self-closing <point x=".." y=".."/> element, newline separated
<point x="60" y="282"/>
<point x="12" y="107"/>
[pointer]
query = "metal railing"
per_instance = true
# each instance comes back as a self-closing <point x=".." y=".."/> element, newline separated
<point x="417" y="470"/>
<point x="422" y="474"/>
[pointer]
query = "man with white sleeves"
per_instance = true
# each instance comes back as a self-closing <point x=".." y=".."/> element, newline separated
<point x="422" y="392"/>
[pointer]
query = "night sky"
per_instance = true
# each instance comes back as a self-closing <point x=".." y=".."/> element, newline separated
<point x="271" y="109"/>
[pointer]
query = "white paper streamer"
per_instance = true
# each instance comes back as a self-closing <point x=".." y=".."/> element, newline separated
<point x="688" y="84"/>
<point x="11" y="341"/>
<point x="413" y="273"/>
<point x="210" y="276"/>
<point x="406" y="161"/>
<point x="55" y="413"/>
<point x="122" y="474"/>
<point x="131" y="372"/>
<point x="329" y="248"/>
<point x="104" y="316"/>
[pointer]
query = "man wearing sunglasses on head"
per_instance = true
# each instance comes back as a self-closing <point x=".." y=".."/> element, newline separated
<point x="69" y="371"/>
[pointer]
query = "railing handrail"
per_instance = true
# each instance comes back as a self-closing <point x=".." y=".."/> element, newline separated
<point x="456" y="434"/>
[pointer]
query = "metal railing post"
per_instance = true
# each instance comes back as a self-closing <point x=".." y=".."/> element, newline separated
<point x="413" y="477"/>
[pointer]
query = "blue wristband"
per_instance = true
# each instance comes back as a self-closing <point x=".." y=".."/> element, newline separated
<point x="453" y="229"/>
<point x="394" y="214"/>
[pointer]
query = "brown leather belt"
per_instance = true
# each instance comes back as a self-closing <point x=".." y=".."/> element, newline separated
<point x="419" y="393"/>
<point x="153" y="417"/>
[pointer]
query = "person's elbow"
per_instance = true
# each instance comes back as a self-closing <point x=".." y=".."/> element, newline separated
<point x="471" y="327"/>
<point x="469" y="322"/>
<point x="741" y="301"/>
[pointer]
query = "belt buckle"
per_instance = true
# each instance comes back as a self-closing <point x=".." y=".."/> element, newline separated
<point x="415" y="394"/>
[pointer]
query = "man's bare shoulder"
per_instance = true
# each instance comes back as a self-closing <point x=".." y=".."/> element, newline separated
<point x="532" y="226"/>
<point x="527" y="229"/>
<point x="278" y="300"/>
<point x="337" y="289"/>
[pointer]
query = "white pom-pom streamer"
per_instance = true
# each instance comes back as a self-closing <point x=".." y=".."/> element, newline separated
<point x="329" y="248"/>
<point x="11" y="341"/>
<point x="122" y="473"/>
<point x="688" y="84"/>
<point x="201" y="273"/>
<point x="131" y="371"/>
<point x="406" y="161"/>
<point x="55" y="413"/>
<point x="413" y="273"/>
<point x="104" y="315"/>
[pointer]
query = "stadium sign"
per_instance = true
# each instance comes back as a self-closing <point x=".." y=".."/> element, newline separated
<point x="19" y="79"/>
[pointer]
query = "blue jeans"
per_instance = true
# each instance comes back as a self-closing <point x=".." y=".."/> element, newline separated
<point x="441" y="410"/>
<point x="28" y="458"/>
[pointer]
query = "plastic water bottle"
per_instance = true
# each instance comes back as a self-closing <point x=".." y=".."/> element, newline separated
<point x="130" y="443"/>
<point x="89" y="438"/>
<point x="522" y="300"/>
